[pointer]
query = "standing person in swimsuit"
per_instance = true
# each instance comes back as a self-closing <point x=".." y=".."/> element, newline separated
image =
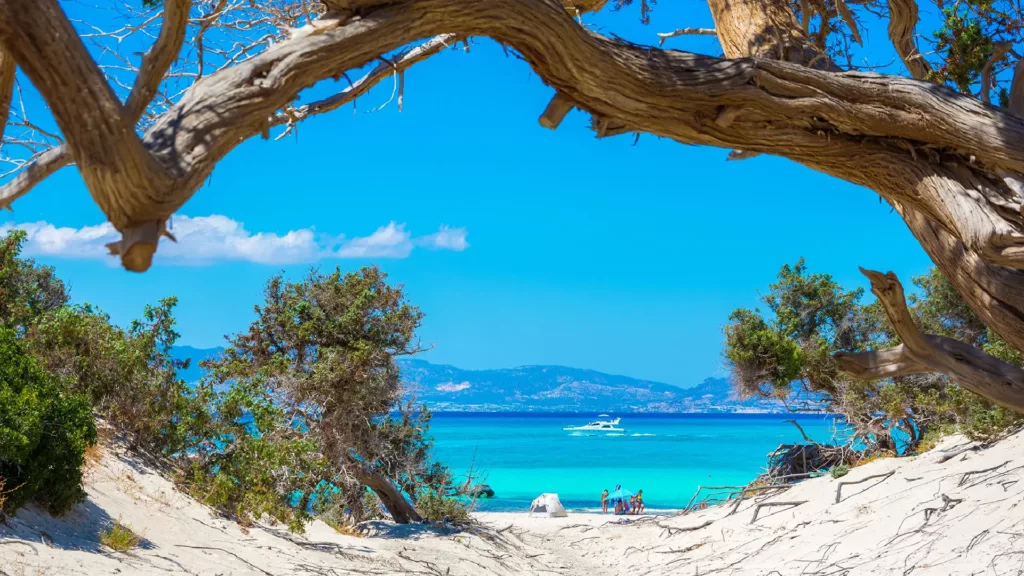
<point x="604" y="501"/>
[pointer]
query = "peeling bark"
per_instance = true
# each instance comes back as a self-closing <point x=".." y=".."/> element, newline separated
<point x="7" y="72"/>
<point x="159" y="58"/>
<point x="971" y="368"/>
<point x="902" y="25"/>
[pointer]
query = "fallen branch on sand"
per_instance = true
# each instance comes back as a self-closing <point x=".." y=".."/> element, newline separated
<point x="701" y="488"/>
<point x="839" y="488"/>
<point x="673" y="530"/>
<point x="968" y="474"/>
<point x="244" y="561"/>
<point x="950" y="454"/>
<point x="757" y="509"/>
<point x="743" y="493"/>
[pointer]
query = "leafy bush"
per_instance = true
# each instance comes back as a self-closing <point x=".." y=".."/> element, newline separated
<point x="437" y="507"/>
<point x="120" y="537"/>
<point x="315" y="377"/>
<point x="786" y="353"/>
<point x="129" y="375"/>
<point x="43" y="432"/>
<point x="839" y="471"/>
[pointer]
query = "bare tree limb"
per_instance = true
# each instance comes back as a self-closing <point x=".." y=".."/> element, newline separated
<point x="38" y="170"/>
<point x="158" y="60"/>
<point x="847" y="16"/>
<point x="757" y="509"/>
<point x="1017" y="89"/>
<point x="557" y="108"/>
<point x="902" y="23"/>
<point x="685" y="32"/>
<point x="999" y="50"/>
<point x="121" y="174"/>
<point x="801" y="429"/>
<point x="361" y="86"/>
<point x="7" y="72"/>
<point x="879" y="364"/>
<point x="839" y="487"/>
<point x="979" y="372"/>
<point x="835" y="123"/>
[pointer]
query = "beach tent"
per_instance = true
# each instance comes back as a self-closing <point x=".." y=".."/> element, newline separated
<point x="547" y="505"/>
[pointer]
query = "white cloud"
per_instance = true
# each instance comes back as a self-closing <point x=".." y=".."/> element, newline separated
<point x="216" y="238"/>
<point x="446" y="239"/>
<point x="391" y="241"/>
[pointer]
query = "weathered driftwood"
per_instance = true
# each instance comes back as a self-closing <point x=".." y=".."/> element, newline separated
<point x="673" y="530"/>
<point x="743" y="493"/>
<point x="950" y="454"/>
<point x="968" y="474"/>
<point x="839" y="487"/>
<point x="757" y="509"/>
<point x="689" y="504"/>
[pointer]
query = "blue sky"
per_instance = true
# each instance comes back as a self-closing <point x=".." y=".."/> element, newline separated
<point x="559" y="248"/>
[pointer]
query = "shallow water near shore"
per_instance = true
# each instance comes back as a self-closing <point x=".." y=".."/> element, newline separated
<point x="522" y="455"/>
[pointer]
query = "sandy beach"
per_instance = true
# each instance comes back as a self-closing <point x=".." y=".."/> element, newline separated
<point x="916" y="516"/>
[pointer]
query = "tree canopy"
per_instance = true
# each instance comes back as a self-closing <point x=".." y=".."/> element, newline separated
<point x="304" y="413"/>
<point x="789" y="352"/>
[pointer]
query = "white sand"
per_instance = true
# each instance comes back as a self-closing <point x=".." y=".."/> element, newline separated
<point x="895" y="525"/>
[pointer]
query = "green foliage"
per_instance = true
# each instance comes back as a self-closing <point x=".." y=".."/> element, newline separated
<point x="788" y="354"/>
<point x="310" y="402"/>
<point x="761" y="354"/>
<point x="120" y="537"/>
<point x="129" y="375"/>
<point x="839" y="471"/>
<point x="438" y="508"/>
<point x="965" y="45"/>
<point x="304" y="408"/>
<point x="27" y="290"/>
<point x="43" y="432"/>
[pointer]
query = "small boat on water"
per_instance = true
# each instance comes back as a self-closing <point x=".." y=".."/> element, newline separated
<point x="597" y="426"/>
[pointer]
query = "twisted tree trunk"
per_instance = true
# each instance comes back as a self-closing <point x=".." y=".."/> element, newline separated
<point x="949" y="164"/>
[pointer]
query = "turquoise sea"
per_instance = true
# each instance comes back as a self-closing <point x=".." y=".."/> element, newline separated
<point x="522" y="455"/>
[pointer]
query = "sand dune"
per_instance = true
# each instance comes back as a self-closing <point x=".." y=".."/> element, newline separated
<point x="920" y="517"/>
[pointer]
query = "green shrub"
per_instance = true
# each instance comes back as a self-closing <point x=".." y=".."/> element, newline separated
<point x="43" y="432"/>
<point x="839" y="471"/>
<point x="120" y="537"/>
<point x="436" y="507"/>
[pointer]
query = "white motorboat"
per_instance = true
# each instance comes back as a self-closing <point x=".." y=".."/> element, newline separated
<point x="597" y="426"/>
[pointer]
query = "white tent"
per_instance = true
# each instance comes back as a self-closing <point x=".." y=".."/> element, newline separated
<point x="547" y="505"/>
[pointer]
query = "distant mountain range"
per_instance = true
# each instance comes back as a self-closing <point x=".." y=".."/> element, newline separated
<point x="563" y="389"/>
<point x="544" y="389"/>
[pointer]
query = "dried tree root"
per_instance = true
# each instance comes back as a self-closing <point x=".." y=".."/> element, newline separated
<point x="757" y="509"/>
<point x="743" y="493"/>
<point x="963" y="479"/>
<point x="839" y="488"/>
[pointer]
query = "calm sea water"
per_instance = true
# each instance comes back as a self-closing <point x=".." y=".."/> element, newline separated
<point x="667" y="456"/>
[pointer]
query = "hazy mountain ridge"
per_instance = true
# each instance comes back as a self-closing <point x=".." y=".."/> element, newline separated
<point x="561" y="388"/>
<point x="543" y="389"/>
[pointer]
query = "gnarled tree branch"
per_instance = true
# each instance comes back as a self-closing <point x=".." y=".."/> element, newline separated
<point x="121" y="174"/>
<point x="38" y="170"/>
<point x="971" y="368"/>
<point x="879" y="364"/>
<point x="902" y="24"/>
<point x="7" y="72"/>
<point x="161" y="55"/>
<point x="999" y="50"/>
<point x="685" y="32"/>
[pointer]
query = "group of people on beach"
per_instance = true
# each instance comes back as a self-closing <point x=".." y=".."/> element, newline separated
<point x="632" y="505"/>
